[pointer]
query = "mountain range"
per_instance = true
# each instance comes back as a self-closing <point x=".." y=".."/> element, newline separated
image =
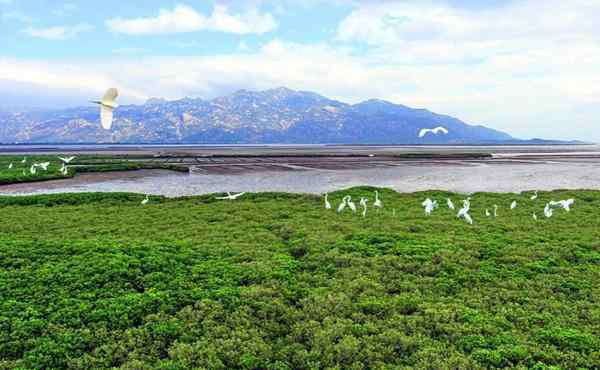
<point x="277" y="115"/>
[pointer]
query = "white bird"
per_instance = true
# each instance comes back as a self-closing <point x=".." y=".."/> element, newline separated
<point x="565" y="204"/>
<point x="468" y="218"/>
<point x="327" y="204"/>
<point x="450" y="204"/>
<point x="534" y="196"/>
<point x="231" y="196"/>
<point x="495" y="210"/>
<point x="535" y="216"/>
<point x="107" y="106"/>
<point x="24" y="160"/>
<point x="43" y="165"/>
<point x="351" y="204"/>
<point x="435" y="131"/>
<point x="10" y="166"/>
<point x="66" y="160"/>
<point x="429" y="206"/>
<point x="363" y="203"/>
<point x="146" y="200"/>
<point x="548" y="211"/>
<point x="64" y="170"/>
<point x="487" y="213"/>
<point x="342" y="205"/>
<point x="33" y="169"/>
<point x="377" y="203"/>
<point x="513" y="205"/>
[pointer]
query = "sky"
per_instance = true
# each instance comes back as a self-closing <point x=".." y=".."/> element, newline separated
<point x="528" y="67"/>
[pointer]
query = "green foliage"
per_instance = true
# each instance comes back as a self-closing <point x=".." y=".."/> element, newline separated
<point x="274" y="281"/>
<point x="86" y="163"/>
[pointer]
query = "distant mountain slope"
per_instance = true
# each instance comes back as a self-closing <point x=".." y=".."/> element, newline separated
<point x="273" y="116"/>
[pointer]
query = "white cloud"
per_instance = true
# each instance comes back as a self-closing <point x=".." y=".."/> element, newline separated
<point x="184" y="18"/>
<point x="58" y="32"/>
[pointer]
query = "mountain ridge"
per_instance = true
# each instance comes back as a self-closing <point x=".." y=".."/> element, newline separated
<point x="279" y="115"/>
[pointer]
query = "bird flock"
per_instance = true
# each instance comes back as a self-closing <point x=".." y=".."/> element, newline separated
<point x="43" y="166"/>
<point x="464" y="213"/>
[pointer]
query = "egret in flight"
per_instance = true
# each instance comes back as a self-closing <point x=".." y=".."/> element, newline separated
<point x="66" y="160"/>
<point x="363" y="203"/>
<point x="435" y="131"/>
<point x="231" y="196"/>
<point x="43" y="165"/>
<point x="327" y="204"/>
<point x="377" y="203"/>
<point x="107" y="106"/>
<point x="450" y="204"/>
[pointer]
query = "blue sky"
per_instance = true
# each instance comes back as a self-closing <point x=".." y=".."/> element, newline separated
<point x="529" y="67"/>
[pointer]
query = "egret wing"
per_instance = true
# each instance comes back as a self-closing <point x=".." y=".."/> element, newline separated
<point x="106" y="116"/>
<point x="110" y="96"/>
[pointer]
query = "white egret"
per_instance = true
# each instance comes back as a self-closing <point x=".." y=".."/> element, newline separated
<point x="44" y="165"/>
<point x="24" y="160"/>
<point x="513" y="205"/>
<point x="534" y="196"/>
<point x="535" y="216"/>
<point x="10" y="166"/>
<point x="435" y="131"/>
<point x="377" y="203"/>
<point x="468" y="218"/>
<point x="327" y="204"/>
<point x="107" y="106"/>
<point x="363" y="203"/>
<point x="33" y="169"/>
<point x="429" y="206"/>
<point x="351" y="204"/>
<point x="231" y="196"/>
<point x="66" y="160"/>
<point x="146" y="200"/>
<point x="495" y="210"/>
<point x="450" y="204"/>
<point x="487" y="213"/>
<point x="548" y="211"/>
<point x="64" y="170"/>
<point x="342" y="205"/>
<point x="565" y="204"/>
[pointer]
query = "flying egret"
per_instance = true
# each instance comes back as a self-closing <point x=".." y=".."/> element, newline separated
<point x="327" y="204"/>
<point x="495" y="211"/>
<point x="351" y="204"/>
<point x="435" y="131"/>
<point x="44" y="165"/>
<point x="342" y="205"/>
<point x="450" y="204"/>
<point x="231" y="196"/>
<point x="513" y="205"/>
<point x="548" y="211"/>
<point x="10" y="166"/>
<point x="66" y="160"/>
<point x="377" y="203"/>
<point x="534" y="196"/>
<point x="107" y="106"/>
<point x="146" y="200"/>
<point x="363" y="203"/>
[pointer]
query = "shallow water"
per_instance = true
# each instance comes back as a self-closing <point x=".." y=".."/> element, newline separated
<point x="457" y="176"/>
